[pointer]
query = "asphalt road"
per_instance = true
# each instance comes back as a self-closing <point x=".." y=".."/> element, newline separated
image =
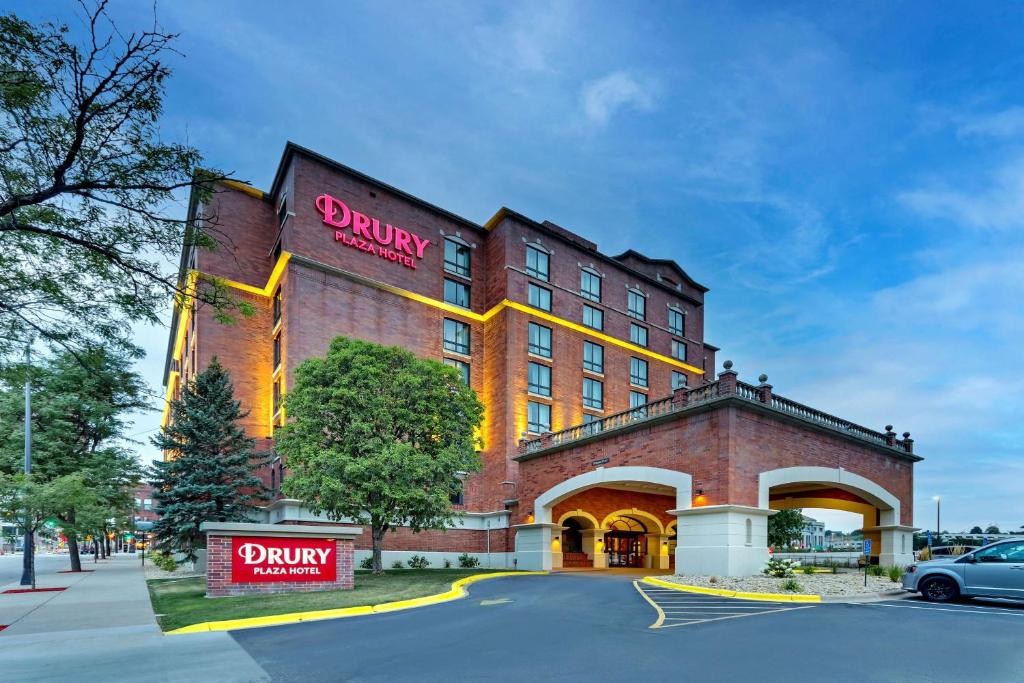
<point x="579" y="627"/>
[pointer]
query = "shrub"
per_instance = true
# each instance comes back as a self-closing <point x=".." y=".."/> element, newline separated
<point x="834" y="566"/>
<point x="418" y="562"/>
<point x="925" y="554"/>
<point x="467" y="561"/>
<point x="397" y="564"/>
<point x="876" y="570"/>
<point x="895" y="573"/>
<point x="164" y="560"/>
<point x="366" y="562"/>
<point x="712" y="579"/>
<point x="791" y="585"/>
<point x="447" y="564"/>
<point x="780" y="568"/>
<point x="807" y="569"/>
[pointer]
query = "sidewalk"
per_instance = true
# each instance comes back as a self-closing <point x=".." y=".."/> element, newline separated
<point x="103" y="625"/>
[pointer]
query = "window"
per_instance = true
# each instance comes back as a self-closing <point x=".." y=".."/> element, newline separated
<point x="539" y="379"/>
<point x="593" y="394"/>
<point x="593" y="357"/>
<point x="638" y="372"/>
<point x="637" y="305"/>
<point x="277" y="352"/>
<point x="592" y="423"/>
<point x="540" y="297"/>
<point x="277" y="396"/>
<point x="458" y="494"/>
<point x="1004" y="552"/>
<point x="282" y="211"/>
<point x="678" y="350"/>
<point x="590" y="285"/>
<point x="593" y="317"/>
<point x="540" y="340"/>
<point x="638" y="399"/>
<point x="638" y="334"/>
<point x="456" y="293"/>
<point x="538" y="417"/>
<point x="456" y="257"/>
<point x="537" y="263"/>
<point x="679" y="380"/>
<point x="676" y="322"/>
<point x="277" y="305"/>
<point x="456" y="336"/>
<point x="461" y="366"/>
<point x="147" y="504"/>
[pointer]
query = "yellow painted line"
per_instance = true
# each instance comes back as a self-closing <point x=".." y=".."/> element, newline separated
<point x="457" y="591"/>
<point x="243" y="187"/>
<point x="656" y="606"/>
<point x="741" y="595"/>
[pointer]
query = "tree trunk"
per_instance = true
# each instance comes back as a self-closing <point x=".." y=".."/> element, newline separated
<point x="106" y="541"/>
<point x="377" y="532"/>
<point x="73" y="554"/>
<point x="95" y="550"/>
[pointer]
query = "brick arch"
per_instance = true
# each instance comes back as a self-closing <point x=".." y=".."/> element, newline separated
<point x="642" y="515"/>
<point x="874" y="494"/>
<point x="680" y="481"/>
<point x="579" y="513"/>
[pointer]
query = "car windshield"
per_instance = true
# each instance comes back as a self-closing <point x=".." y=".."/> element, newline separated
<point x="1004" y="552"/>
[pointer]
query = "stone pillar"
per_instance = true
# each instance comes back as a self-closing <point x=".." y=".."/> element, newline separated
<point x="722" y="540"/>
<point x="657" y="551"/>
<point x="593" y="546"/>
<point x="727" y="379"/>
<point x="535" y="546"/>
<point x="896" y="544"/>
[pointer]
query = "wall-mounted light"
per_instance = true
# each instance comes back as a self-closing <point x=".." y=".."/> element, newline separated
<point x="529" y="519"/>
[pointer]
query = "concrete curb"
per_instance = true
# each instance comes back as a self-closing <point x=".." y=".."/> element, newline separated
<point x="457" y="591"/>
<point x="870" y="597"/>
<point x="740" y="595"/>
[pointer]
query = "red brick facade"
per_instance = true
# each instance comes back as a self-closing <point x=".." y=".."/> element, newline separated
<point x="218" y="572"/>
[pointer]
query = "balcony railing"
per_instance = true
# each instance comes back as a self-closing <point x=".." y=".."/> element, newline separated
<point x="727" y="385"/>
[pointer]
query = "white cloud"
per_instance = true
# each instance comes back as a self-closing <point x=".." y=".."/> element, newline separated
<point x="1006" y="123"/>
<point x="996" y="204"/>
<point x="603" y="97"/>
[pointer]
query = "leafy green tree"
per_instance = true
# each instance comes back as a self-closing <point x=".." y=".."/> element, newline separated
<point x="80" y="404"/>
<point x="88" y="184"/>
<point x="784" y="527"/>
<point x="976" y="530"/>
<point x="209" y="476"/>
<point x="992" y="529"/>
<point x="379" y="436"/>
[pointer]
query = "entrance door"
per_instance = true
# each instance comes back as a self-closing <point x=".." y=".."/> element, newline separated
<point x="625" y="548"/>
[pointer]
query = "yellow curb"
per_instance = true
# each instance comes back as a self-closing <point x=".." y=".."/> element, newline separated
<point x="763" y="597"/>
<point x="457" y="591"/>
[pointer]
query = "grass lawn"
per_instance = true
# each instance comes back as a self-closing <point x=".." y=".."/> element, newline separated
<point x="180" y="602"/>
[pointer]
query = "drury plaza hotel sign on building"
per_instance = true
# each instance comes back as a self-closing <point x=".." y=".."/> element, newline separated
<point x="611" y="438"/>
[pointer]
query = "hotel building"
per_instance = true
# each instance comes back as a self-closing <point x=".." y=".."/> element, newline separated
<point x="609" y="439"/>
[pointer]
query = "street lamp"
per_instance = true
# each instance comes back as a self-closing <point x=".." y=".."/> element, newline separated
<point x="28" y="574"/>
<point x="938" y="518"/>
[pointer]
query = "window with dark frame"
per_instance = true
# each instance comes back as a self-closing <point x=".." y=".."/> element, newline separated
<point x="538" y="417"/>
<point x="678" y="350"/>
<point x="456" y="257"/>
<point x="282" y="211"/>
<point x="593" y="394"/>
<point x="637" y="305"/>
<point x="456" y="336"/>
<point x="277" y="351"/>
<point x="539" y="340"/>
<point x="277" y="305"/>
<point x="458" y="494"/>
<point x="277" y="396"/>
<point x="538" y="263"/>
<point x="679" y="380"/>
<point x="638" y="372"/>
<point x="638" y="334"/>
<point x="538" y="379"/>
<point x="593" y="317"/>
<point x="461" y="366"/>
<point x="540" y="297"/>
<point x="593" y="357"/>
<point x="676" y="322"/>
<point x="456" y="293"/>
<point x="590" y="285"/>
<point x="637" y="399"/>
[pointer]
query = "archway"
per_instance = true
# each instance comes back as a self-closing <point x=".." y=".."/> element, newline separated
<point x="581" y="539"/>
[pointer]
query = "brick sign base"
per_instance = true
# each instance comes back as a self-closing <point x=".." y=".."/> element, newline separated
<point x="219" y="540"/>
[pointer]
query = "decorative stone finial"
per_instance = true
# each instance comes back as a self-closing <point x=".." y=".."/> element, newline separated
<point x="888" y="428"/>
<point x="906" y="435"/>
<point x="762" y="378"/>
<point x="727" y="365"/>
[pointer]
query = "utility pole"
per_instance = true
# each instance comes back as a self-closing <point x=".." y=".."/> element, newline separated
<point x="28" y="571"/>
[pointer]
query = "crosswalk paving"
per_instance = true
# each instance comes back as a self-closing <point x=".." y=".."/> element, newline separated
<point x="678" y="608"/>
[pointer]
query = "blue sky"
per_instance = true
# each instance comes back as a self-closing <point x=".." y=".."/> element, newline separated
<point x="848" y="179"/>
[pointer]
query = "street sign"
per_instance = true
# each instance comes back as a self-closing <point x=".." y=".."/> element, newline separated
<point x="867" y="557"/>
<point x="867" y="546"/>
<point x="929" y="539"/>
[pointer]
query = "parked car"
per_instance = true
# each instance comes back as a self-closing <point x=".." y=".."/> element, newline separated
<point x="951" y="550"/>
<point x="992" y="571"/>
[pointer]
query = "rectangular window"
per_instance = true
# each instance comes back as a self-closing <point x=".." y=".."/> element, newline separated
<point x="637" y="305"/>
<point x="593" y="317"/>
<point x="147" y="504"/>
<point x="679" y="380"/>
<point x="458" y="494"/>
<point x="277" y="352"/>
<point x="540" y="297"/>
<point x="461" y="366"/>
<point x="638" y="372"/>
<point x="593" y="357"/>
<point x="282" y="211"/>
<point x="456" y="257"/>
<point x="678" y="350"/>
<point x="540" y="340"/>
<point x="537" y="262"/>
<point x="593" y="394"/>
<point x="637" y="399"/>
<point x="277" y="305"/>
<point x="538" y="417"/>
<point x="456" y="293"/>
<point x="590" y="285"/>
<point x="539" y="379"/>
<point x="676" y="322"/>
<point x="456" y="336"/>
<point x="277" y="396"/>
<point x="638" y="334"/>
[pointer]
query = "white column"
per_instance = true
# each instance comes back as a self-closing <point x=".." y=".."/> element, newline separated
<point x="897" y="544"/>
<point x="722" y="540"/>
<point x="593" y="546"/>
<point x="535" y="546"/>
<point x="657" y="551"/>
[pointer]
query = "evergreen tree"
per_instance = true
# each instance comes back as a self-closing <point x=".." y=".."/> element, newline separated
<point x="209" y="475"/>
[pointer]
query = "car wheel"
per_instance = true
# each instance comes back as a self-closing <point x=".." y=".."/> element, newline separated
<point x="940" y="589"/>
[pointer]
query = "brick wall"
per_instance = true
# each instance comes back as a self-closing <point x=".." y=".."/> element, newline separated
<point x="218" y="572"/>
<point x="601" y="502"/>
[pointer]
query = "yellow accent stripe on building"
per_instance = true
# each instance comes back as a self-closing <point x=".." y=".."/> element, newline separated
<point x="243" y="187"/>
<point x="740" y="595"/>
<point x="457" y="591"/>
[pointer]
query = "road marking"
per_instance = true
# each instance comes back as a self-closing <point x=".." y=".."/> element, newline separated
<point x="680" y="611"/>
<point x="994" y="611"/>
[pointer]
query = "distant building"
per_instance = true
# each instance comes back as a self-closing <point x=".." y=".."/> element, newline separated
<point x="145" y="510"/>
<point x="813" y="535"/>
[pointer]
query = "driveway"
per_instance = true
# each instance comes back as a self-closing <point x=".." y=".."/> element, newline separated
<point x="587" y="627"/>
